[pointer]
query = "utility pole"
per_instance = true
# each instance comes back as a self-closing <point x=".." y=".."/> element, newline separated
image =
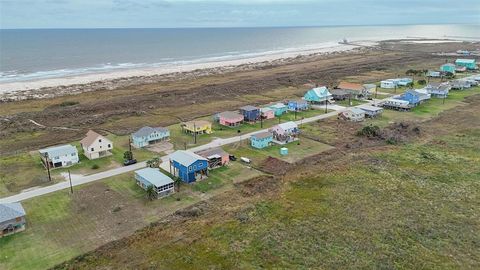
<point x="444" y="97"/>
<point x="185" y="145"/>
<point x="326" y="104"/>
<point x="295" y="113"/>
<point x="70" y="178"/>
<point x="376" y="90"/>
<point x="195" y="132"/>
<point x="129" y="148"/>
<point x="48" y="167"/>
<point x="261" y="121"/>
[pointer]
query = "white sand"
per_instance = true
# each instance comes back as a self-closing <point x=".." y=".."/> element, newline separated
<point x="106" y="76"/>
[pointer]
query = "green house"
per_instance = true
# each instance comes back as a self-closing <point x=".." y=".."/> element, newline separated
<point x="449" y="67"/>
<point x="279" y="108"/>
<point x="317" y="95"/>
<point x="468" y="63"/>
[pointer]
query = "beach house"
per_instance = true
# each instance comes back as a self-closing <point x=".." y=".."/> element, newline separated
<point x="297" y="105"/>
<point x="411" y="96"/>
<point x="371" y="111"/>
<point x="467" y="63"/>
<point x="403" y="81"/>
<point x="250" y="113"/>
<point x="189" y="166"/>
<point x="279" y="108"/>
<point x="95" y="145"/>
<point x="267" y="113"/>
<point x="318" y="95"/>
<point x="59" y="156"/>
<point x="448" y="67"/>
<point x="396" y="104"/>
<point x="197" y="126"/>
<point x="261" y="140"/>
<point x="230" y="119"/>
<point x="354" y="89"/>
<point x="216" y="157"/>
<point x="12" y="218"/>
<point x="423" y="94"/>
<point x="339" y="94"/>
<point x="371" y="88"/>
<point x="149" y="135"/>
<point x="285" y="132"/>
<point x="388" y="84"/>
<point x="439" y="90"/>
<point x="352" y="114"/>
<point x="162" y="184"/>
<point x="460" y="84"/>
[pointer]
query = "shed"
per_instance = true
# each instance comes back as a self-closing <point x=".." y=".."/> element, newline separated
<point x="189" y="166"/>
<point x="284" y="151"/>
<point x="162" y="184"/>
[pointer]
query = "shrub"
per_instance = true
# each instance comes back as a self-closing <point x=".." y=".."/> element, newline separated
<point x="422" y="82"/>
<point x="95" y="166"/>
<point x="369" y="131"/>
<point x="69" y="103"/>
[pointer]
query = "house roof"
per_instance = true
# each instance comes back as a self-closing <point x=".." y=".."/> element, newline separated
<point x="350" y="86"/>
<point x="262" y="135"/>
<point x="298" y="101"/>
<point x="448" y="64"/>
<point x="212" y="152"/>
<point x="154" y="176"/>
<point x="230" y="115"/>
<point x="186" y="158"/>
<point x="90" y="138"/>
<point x="59" y="150"/>
<point x="338" y="92"/>
<point x="370" y="108"/>
<point x="288" y="125"/>
<point x="249" y="108"/>
<point x="320" y="91"/>
<point x="9" y="211"/>
<point x="370" y="85"/>
<point x="146" y="131"/>
<point x="356" y="110"/>
<point x="267" y="109"/>
<point x="413" y="92"/>
<point x="469" y="61"/>
<point x="278" y="106"/>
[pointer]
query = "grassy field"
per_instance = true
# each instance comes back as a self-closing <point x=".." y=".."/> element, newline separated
<point x="98" y="213"/>
<point x="353" y="102"/>
<point x="368" y="209"/>
<point x="296" y="150"/>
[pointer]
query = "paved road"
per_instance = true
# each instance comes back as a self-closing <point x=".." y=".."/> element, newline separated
<point x="102" y="175"/>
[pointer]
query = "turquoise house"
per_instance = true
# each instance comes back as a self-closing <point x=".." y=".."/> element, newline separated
<point x="468" y="63"/>
<point x="279" y="108"/>
<point x="261" y="140"/>
<point x="317" y="95"/>
<point x="148" y="135"/>
<point x="448" y="68"/>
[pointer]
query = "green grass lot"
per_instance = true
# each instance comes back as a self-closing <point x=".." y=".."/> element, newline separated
<point x="354" y="102"/>
<point x="296" y="150"/>
<point x="56" y="222"/>
<point x="386" y="214"/>
<point x="427" y="110"/>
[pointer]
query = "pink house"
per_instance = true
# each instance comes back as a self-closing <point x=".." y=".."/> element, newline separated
<point x="267" y="113"/>
<point x="230" y="119"/>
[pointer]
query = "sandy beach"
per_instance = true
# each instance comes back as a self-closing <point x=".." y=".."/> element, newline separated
<point x="45" y="88"/>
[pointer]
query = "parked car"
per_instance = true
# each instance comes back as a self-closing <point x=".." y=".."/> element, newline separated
<point x="246" y="160"/>
<point x="129" y="162"/>
<point x="232" y="158"/>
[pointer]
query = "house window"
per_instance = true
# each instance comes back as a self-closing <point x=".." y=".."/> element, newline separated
<point x="73" y="154"/>
<point x="99" y="140"/>
<point x="91" y="149"/>
<point x="194" y="167"/>
<point x="190" y="168"/>
<point x="109" y="146"/>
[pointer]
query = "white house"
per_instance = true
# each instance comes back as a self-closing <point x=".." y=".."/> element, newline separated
<point x="95" y="145"/>
<point x="285" y="132"/>
<point x="59" y="156"/>
<point x="389" y="84"/>
<point x="353" y="114"/>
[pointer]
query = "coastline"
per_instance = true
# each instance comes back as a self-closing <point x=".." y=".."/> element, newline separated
<point x="70" y="85"/>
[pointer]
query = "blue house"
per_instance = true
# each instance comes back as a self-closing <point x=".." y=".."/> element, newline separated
<point x="162" y="184"/>
<point x="297" y="105"/>
<point x="279" y="108"/>
<point x="317" y="95"/>
<point x="250" y="113"/>
<point x="148" y="135"/>
<point x="468" y="63"/>
<point x="449" y="67"/>
<point x="261" y="140"/>
<point x="189" y="166"/>
<point x="411" y="96"/>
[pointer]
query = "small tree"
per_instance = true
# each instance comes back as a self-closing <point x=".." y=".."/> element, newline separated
<point x="127" y="155"/>
<point x="177" y="183"/>
<point x="151" y="193"/>
<point x="422" y="82"/>
<point x="410" y="84"/>
<point x="153" y="163"/>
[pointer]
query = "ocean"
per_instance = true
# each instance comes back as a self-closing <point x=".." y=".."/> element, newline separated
<point x="35" y="54"/>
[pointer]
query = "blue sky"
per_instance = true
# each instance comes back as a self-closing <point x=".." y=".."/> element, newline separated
<point x="231" y="13"/>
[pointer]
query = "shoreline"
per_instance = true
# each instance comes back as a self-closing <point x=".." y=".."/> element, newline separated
<point x="70" y="85"/>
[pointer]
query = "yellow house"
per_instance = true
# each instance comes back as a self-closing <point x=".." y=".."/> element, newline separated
<point x="198" y="126"/>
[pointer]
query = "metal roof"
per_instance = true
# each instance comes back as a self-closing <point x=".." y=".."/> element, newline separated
<point x="288" y="125"/>
<point x="9" y="211"/>
<point x="230" y="115"/>
<point x="186" y="158"/>
<point x="370" y="108"/>
<point x="249" y="108"/>
<point x="146" y="131"/>
<point x="267" y="109"/>
<point x="356" y="110"/>
<point x="60" y="150"/>
<point x="211" y="152"/>
<point x="470" y="61"/>
<point x="154" y="176"/>
<point x="278" y="106"/>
